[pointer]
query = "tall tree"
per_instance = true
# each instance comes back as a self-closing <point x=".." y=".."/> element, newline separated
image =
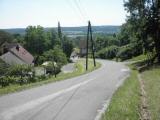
<point x="144" y="19"/>
<point x="60" y="34"/>
<point x="35" y="39"/>
<point x="67" y="46"/>
<point x="5" y="37"/>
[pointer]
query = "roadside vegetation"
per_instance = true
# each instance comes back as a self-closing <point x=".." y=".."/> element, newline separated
<point x="138" y="43"/>
<point x="138" y="58"/>
<point x="139" y="35"/>
<point x="151" y="78"/>
<point x="125" y="102"/>
<point x="13" y="85"/>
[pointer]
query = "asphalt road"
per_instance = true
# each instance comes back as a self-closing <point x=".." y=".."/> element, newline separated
<point x="80" y="98"/>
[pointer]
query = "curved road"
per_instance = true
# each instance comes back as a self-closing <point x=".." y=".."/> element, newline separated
<point x="79" y="98"/>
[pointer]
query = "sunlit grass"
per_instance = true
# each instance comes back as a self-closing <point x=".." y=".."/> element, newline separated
<point x="125" y="102"/>
<point x="152" y="87"/>
<point x="138" y="58"/>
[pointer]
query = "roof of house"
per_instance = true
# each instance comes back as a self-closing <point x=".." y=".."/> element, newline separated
<point x="17" y="50"/>
<point x="2" y="43"/>
<point x="21" y="53"/>
<point x="8" y="45"/>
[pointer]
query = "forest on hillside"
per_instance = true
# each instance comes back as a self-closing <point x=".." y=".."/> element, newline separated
<point x="139" y="35"/>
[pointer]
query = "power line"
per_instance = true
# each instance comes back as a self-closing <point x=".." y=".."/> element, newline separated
<point x="79" y="8"/>
<point x="84" y="9"/>
<point x="75" y="9"/>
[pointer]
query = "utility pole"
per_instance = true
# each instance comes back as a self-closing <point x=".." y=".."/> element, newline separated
<point x="92" y="45"/>
<point x="89" y="36"/>
<point x="60" y="34"/>
<point x="87" y="48"/>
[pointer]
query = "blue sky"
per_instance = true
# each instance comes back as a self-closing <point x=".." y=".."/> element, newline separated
<point x="21" y="13"/>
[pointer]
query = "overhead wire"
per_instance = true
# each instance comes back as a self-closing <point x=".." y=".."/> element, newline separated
<point x="79" y="8"/>
<point x="83" y="17"/>
<point x="84" y="9"/>
<point x="76" y="11"/>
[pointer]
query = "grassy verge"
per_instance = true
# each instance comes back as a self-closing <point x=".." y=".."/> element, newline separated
<point x="152" y="87"/>
<point x="138" y="58"/>
<point x="80" y="69"/>
<point x="125" y="102"/>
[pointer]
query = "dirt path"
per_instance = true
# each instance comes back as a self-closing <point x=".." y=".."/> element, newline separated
<point x="144" y="112"/>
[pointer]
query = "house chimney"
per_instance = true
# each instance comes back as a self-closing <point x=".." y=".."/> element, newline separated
<point x="17" y="47"/>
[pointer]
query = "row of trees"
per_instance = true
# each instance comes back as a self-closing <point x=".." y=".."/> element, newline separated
<point x="140" y="34"/>
<point x="44" y="46"/>
<point x="142" y="27"/>
<point x="38" y="41"/>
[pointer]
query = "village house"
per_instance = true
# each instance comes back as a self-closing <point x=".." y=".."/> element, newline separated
<point x="74" y="56"/>
<point x="82" y="47"/>
<point x="14" y="53"/>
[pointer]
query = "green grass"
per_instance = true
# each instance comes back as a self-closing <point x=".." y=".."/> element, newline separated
<point x="138" y="58"/>
<point x="125" y="102"/>
<point x="80" y="69"/>
<point x="152" y="87"/>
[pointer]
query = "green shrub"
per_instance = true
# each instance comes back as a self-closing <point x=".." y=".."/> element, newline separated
<point x="3" y="67"/>
<point x="22" y="73"/>
<point x="19" y="70"/>
<point x="55" y="55"/>
<point x="125" y="53"/>
<point x="129" y="51"/>
<point x="108" y="53"/>
<point x="7" y="80"/>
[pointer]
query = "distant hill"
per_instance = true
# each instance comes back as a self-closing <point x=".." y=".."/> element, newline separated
<point x="73" y="31"/>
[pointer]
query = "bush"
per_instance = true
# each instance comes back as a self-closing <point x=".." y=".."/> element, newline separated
<point x="3" y="67"/>
<point x="52" y="69"/>
<point x="20" y="70"/>
<point x="125" y="53"/>
<point x="7" y="80"/>
<point x="22" y="73"/>
<point x="55" y="55"/>
<point x="41" y="78"/>
<point x="108" y="53"/>
<point x="129" y="51"/>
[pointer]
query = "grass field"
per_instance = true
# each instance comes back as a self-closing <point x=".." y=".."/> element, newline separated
<point x="80" y="69"/>
<point x="152" y="87"/>
<point x="125" y="102"/>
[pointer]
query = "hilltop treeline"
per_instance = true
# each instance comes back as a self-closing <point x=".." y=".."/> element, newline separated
<point x="140" y="34"/>
<point x="40" y="42"/>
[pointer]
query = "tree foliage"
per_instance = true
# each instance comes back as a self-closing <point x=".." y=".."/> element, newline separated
<point x="108" y="52"/>
<point x="144" y="24"/>
<point x="55" y="55"/>
<point x="67" y="46"/>
<point x="5" y="37"/>
<point x="35" y="38"/>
